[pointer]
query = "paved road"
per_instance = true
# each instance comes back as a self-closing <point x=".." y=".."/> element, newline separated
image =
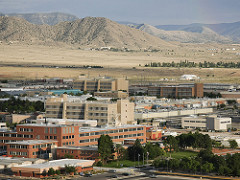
<point x="107" y="176"/>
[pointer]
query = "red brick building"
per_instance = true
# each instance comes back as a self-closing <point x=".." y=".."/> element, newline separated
<point x="31" y="148"/>
<point x="71" y="135"/>
<point x="77" y="152"/>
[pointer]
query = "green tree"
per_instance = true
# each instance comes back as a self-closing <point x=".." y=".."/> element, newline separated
<point x="233" y="144"/>
<point x="70" y="169"/>
<point x="51" y="171"/>
<point x="207" y="167"/>
<point x="121" y="152"/>
<point x="105" y="147"/>
<point x="171" y="143"/>
<point x="153" y="150"/>
<point x="135" y="150"/>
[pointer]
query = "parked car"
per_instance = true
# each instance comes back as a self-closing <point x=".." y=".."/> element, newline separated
<point x="88" y="175"/>
<point x="114" y="176"/>
<point x="152" y="176"/>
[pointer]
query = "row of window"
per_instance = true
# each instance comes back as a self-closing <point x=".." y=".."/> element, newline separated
<point x="14" y="146"/>
<point x="50" y="130"/>
<point x="68" y="143"/>
<point x="53" y="107"/>
<point x="17" y="135"/>
<point x="110" y="132"/>
<point x="113" y="137"/>
<point x="50" y="137"/>
<point x="193" y="127"/>
<point x="97" y="108"/>
<point x="68" y="137"/>
<point x="43" y="145"/>
<point x="187" y="121"/>
<point x="67" y="130"/>
<point x="26" y="129"/>
<point x="18" y="153"/>
<point x="224" y="122"/>
<point x="75" y="107"/>
<point x="97" y="114"/>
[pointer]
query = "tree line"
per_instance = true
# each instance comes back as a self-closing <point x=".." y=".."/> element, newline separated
<point x="194" y="140"/>
<point x="190" y="64"/>
<point x="14" y="105"/>
<point x="135" y="152"/>
<point x="204" y="162"/>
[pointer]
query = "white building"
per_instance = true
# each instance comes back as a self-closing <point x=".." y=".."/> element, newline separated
<point x="207" y="122"/>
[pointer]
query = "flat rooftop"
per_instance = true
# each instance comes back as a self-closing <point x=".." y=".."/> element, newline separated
<point x="31" y="142"/>
<point x="43" y="125"/>
<point x="17" y="160"/>
<point x="90" y="129"/>
<point x="79" y="148"/>
<point x="58" y="163"/>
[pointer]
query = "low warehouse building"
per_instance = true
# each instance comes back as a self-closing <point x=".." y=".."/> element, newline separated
<point x="40" y="170"/>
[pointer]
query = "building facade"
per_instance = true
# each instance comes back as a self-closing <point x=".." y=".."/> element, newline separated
<point x="105" y="112"/>
<point x="112" y="94"/>
<point x="71" y="135"/>
<point x="31" y="148"/>
<point x="101" y="84"/>
<point x="177" y="91"/>
<point x="209" y="123"/>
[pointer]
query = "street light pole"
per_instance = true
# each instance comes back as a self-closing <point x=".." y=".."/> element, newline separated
<point x="138" y="159"/>
<point x="143" y="159"/>
<point x="147" y="157"/>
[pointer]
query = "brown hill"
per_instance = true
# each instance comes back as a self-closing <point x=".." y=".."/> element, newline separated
<point x="89" y="31"/>
<point x="204" y="35"/>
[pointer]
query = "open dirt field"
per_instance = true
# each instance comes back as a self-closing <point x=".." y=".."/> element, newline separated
<point x="117" y="64"/>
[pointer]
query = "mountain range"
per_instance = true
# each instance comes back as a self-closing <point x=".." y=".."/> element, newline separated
<point x="45" y="18"/>
<point x="228" y="30"/>
<point x="201" y="35"/>
<point x="112" y="33"/>
<point x="90" y="31"/>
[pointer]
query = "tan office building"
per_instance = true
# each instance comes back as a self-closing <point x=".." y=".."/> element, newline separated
<point x="118" y="112"/>
<point x="112" y="94"/>
<point x="101" y="84"/>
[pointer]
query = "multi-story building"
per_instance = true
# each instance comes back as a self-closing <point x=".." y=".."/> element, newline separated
<point x="212" y="122"/>
<point x="105" y="112"/>
<point x="112" y="94"/>
<point x="101" y="84"/>
<point x="177" y="91"/>
<point x="31" y="148"/>
<point x="71" y="135"/>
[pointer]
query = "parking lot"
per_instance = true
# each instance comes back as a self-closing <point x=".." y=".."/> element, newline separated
<point x="106" y="176"/>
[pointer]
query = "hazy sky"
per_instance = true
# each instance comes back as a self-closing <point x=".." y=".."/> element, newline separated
<point x="154" y="12"/>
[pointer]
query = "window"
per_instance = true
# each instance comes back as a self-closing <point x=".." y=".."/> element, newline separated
<point x="46" y="137"/>
<point x="46" y="130"/>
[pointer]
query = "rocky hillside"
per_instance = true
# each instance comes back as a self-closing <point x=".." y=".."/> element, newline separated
<point x="46" y="18"/>
<point x="89" y="31"/>
<point x="228" y="30"/>
<point x="196" y="35"/>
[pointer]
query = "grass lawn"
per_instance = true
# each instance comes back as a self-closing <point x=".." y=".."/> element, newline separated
<point x="181" y="154"/>
<point x="125" y="163"/>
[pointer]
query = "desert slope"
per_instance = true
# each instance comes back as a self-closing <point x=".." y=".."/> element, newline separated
<point x="89" y="31"/>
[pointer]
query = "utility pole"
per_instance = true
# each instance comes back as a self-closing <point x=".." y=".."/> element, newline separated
<point x="143" y="159"/>
<point x="147" y="157"/>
